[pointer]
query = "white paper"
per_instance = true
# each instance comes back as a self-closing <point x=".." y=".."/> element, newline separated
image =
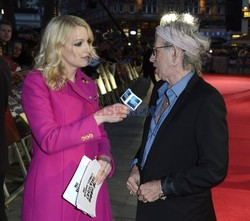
<point x="82" y="191"/>
<point x="71" y="192"/>
<point x="88" y="192"/>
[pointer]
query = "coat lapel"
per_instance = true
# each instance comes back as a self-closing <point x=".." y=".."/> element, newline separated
<point x="152" y="104"/>
<point x="177" y="107"/>
<point x="81" y="90"/>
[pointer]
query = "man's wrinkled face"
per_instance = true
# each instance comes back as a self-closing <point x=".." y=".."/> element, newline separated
<point x="5" y="33"/>
<point x="161" y="58"/>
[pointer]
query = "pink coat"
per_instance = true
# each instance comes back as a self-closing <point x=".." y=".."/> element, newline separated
<point x="63" y="129"/>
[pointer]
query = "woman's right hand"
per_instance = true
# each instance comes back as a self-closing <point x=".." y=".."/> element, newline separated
<point x="111" y="114"/>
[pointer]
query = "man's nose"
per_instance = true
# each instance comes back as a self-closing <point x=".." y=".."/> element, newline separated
<point x="152" y="58"/>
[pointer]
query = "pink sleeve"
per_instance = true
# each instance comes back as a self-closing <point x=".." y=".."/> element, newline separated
<point x="50" y="136"/>
<point x="104" y="147"/>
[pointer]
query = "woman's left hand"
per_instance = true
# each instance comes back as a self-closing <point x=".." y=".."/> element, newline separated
<point x="104" y="170"/>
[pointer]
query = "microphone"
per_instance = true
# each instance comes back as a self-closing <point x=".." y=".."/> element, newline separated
<point x="141" y="87"/>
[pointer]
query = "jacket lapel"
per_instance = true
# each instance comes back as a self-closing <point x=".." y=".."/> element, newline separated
<point x="79" y="89"/>
<point x="177" y="107"/>
<point x="152" y="104"/>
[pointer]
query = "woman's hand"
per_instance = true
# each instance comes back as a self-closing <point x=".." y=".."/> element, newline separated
<point x="111" y="114"/>
<point x="104" y="170"/>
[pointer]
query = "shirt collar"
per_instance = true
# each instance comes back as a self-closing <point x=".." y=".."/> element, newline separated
<point x="176" y="88"/>
<point x="163" y="89"/>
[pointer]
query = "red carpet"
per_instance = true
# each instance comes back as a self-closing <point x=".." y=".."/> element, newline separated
<point x="232" y="197"/>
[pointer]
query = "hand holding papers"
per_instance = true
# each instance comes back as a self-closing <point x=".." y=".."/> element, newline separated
<point x="130" y="99"/>
<point x="82" y="191"/>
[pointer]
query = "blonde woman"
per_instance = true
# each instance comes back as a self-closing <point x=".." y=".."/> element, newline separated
<point x="62" y="108"/>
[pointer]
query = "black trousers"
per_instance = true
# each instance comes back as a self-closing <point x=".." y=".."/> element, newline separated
<point x="3" y="216"/>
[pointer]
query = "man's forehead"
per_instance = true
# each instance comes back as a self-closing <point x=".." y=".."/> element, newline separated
<point x="5" y="26"/>
<point x="158" y="39"/>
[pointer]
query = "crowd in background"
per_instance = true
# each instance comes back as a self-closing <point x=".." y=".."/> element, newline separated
<point x="237" y="59"/>
<point x="19" y="49"/>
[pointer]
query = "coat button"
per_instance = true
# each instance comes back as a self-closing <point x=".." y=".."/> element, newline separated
<point x="85" y="81"/>
<point x="90" y="97"/>
<point x="83" y="138"/>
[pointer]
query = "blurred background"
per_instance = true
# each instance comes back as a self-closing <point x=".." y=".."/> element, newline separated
<point x="128" y="25"/>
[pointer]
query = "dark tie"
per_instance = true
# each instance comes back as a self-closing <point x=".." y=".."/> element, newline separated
<point x="164" y="105"/>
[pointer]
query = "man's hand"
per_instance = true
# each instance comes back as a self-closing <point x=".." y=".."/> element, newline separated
<point x="150" y="191"/>
<point x="133" y="180"/>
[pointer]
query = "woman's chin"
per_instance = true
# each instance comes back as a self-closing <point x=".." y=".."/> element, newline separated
<point x="84" y="63"/>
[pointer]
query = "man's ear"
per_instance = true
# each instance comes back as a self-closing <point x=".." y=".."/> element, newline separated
<point x="176" y="54"/>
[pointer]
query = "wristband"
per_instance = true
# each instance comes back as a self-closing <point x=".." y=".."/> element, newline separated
<point x="162" y="195"/>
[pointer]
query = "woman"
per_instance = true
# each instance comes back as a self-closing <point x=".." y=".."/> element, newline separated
<point x="16" y="51"/>
<point x="61" y="104"/>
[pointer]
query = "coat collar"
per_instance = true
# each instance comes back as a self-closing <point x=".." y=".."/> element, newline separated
<point x="175" y="109"/>
<point x="155" y="96"/>
<point x="178" y="105"/>
<point x="77" y="86"/>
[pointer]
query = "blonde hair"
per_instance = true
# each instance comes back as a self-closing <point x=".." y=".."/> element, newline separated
<point x="49" y="59"/>
<point x="188" y="25"/>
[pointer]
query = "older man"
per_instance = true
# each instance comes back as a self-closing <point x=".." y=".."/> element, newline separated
<point x="184" y="149"/>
